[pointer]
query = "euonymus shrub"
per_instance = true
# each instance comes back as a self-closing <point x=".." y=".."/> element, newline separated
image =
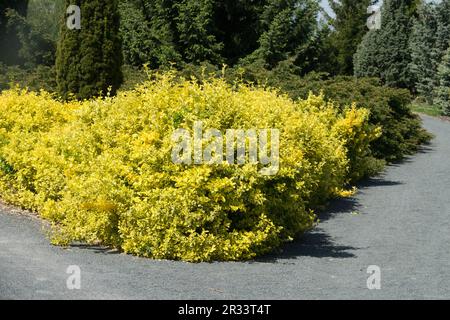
<point x="101" y="171"/>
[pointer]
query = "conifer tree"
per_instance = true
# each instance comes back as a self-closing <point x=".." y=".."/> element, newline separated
<point x="429" y="43"/>
<point x="162" y="32"/>
<point x="443" y="28"/>
<point x="195" y="31"/>
<point x="350" y="25"/>
<point x="424" y="54"/>
<point x="225" y="31"/>
<point x="289" y="27"/>
<point x="366" y="58"/>
<point x="89" y="59"/>
<point x="148" y="35"/>
<point x="390" y="56"/>
<point x="442" y="92"/>
<point x="238" y="26"/>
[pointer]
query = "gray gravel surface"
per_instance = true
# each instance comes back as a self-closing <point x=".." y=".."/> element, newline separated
<point x="399" y="221"/>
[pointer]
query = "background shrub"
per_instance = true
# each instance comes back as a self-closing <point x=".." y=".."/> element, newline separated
<point x="39" y="78"/>
<point x="389" y="108"/>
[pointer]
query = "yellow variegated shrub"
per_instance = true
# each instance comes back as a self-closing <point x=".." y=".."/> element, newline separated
<point x="101" y="171"/>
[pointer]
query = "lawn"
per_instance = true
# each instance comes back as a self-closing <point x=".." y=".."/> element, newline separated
<point x="425" y="108"/>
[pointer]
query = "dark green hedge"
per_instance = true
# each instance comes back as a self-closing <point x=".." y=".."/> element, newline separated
<point x="402" y="131"/>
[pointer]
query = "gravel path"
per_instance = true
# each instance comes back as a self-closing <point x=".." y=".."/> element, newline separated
<point x="399" y="221"/>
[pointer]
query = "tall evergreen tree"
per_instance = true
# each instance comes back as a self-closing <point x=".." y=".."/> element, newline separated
<point x="164" y="31"/>
<point x="443" y="29"/>
<point x="391" y="56"/>
<point x="367" y="57"/>
<point x="318" y="54"/>
<point x="429" y="43"/>
<point x="147" y="32"/>
<point x="225" y="31"/>
<point x="89" y="60"/>
<point x="288" y="27"/>
<point x="195" y="30"/>
<point x="424" y="54"/>
<point x="442" y="91"/>
<point x="238" y="26"/>
<point x="350" y="25"/>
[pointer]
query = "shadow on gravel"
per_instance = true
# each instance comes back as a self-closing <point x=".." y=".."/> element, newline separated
<point x="96" y="249"/>
<point x="423" y="149"/>
<point x="426" y="148"/>
<point x="338" y="207"/>
<point x="316" y="243"/>
<point x="377" y="182"/>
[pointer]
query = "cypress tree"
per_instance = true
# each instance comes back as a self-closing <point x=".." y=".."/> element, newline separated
<point x="395" y="56"/>
<point x="89" y="60"/>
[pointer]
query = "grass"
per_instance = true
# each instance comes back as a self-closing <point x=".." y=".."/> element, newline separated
<point x="421" y="107"/>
